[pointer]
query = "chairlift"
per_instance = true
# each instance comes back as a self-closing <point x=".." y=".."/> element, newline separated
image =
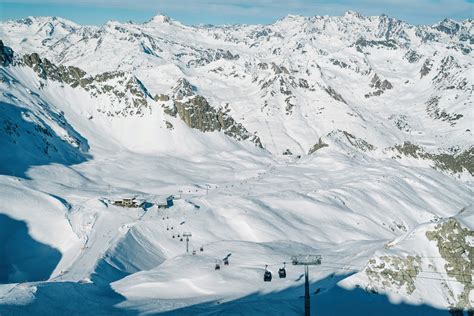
<point x="282" y="272"/>
<point x="267" y="276"/>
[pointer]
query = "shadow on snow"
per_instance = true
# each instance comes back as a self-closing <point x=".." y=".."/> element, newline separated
<point x="73" y="298"/>
<point x="330" y="300"/>
<point x="26" y="140"/>
<point x="69" y="298"/>
<point x="21" y="257"/>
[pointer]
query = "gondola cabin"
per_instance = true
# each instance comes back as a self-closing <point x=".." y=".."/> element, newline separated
<point x="282" y="273"/>
<point x="267" y="276"/>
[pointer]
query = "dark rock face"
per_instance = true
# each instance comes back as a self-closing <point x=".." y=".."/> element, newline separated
<point x="320" y="144"/>
<point x="412" y="56"/>
<point x="162" y="97"/>
<point x="451" y="239"/>
<point x="426" y="68"/>
<point x="379" y="85"/>
<point x="336" y="96"/>
<point x="182" y="89"/>
<point x="197" y="113"/>
<point x="6" y="55"/>
<point x="435" y="112"/>
<point x="454" y="163"/>
<point x="394" y="272"/>
<point x="124" y="84"/>
<point x="448" y="26"/>
<point x="358" y="142"/>
<point x="388" y="43"/>
<point x="279" y="69"/>
<point x="47" y="70"/>
<point x="204" y="57"/>
<point x="450" y="75"/>
<point x="347" y="138"/>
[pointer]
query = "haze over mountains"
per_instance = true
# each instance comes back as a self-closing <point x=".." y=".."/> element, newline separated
<point x="350" y="137"/>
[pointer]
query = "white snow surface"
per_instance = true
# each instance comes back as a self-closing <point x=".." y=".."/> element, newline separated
<point x="66" y="249"/>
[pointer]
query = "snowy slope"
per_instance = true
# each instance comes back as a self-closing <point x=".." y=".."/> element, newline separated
<point x="352" y="139"/>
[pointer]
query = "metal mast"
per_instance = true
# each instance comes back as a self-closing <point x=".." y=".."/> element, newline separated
<point x="187" y="235"/>
<point x="306" y="260"/>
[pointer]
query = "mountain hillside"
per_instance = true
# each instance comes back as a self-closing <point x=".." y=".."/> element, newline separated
<point x="349" y="137"/>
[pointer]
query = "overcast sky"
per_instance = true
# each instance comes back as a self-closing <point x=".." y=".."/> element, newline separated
<point x="233" y="11"/>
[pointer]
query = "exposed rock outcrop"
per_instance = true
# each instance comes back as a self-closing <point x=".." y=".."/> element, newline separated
<point x="394" y="272"/>
<point x="426" y="68"/>
<point x="435" y="112"/>
<point x="452" y="162"/>
<point x="452" y="241"/>
<point x="388" y="43"/>
<point x="354" y="141"/>
<point x="320" y="144"/>
<point x="412" y="56"/>
<point x="197" y="113"/>
<point x="333" y="93"/>
<point x="380" y="85"/>
<point x="123" y="89"/>
<point x="6" y="55"/>
<point x="183" y="88"/>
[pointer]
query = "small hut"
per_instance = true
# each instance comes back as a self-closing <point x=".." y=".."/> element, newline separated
<point x="128" y="202"/>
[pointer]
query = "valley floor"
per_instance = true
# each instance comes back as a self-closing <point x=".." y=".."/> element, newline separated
<point x="71" y="251"/>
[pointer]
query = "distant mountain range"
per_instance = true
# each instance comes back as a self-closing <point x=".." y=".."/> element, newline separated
<point x="350" y="136"/>
<point x="375" y="84"/>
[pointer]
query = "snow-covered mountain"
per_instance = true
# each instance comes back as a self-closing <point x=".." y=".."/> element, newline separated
<point x="350" y="137"/>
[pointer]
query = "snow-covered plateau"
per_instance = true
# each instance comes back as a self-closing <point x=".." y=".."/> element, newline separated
<point x="349" y="137"/>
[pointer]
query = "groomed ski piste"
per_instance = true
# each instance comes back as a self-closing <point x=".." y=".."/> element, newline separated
<point x="395" y="235"/>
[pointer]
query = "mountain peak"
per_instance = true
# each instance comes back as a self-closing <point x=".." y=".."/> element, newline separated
<point x="447" y="26"/>
<point x="160" y="18"/>
<point x="353" y="14"/>
<point x="291" y="18"/>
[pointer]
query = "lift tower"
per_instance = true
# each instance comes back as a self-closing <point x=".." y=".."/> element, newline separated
<point x="187" y="235"/>
<point x="306" y="260"/>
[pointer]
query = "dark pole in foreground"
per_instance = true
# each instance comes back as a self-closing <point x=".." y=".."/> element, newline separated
<point x="307" y="307"/>
<point x="306" y="260"/>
